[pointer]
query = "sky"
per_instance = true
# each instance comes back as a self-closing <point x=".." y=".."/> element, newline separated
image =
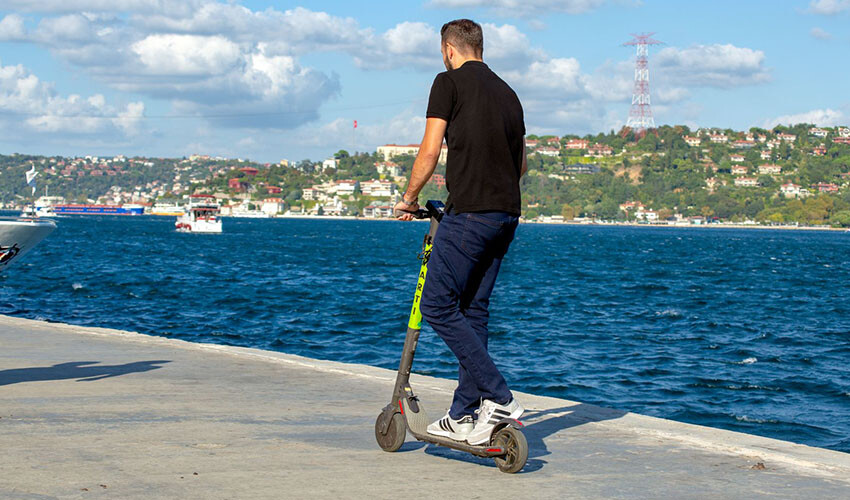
<point x="272" y="80"/>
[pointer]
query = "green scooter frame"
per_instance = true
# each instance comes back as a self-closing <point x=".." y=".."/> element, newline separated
<point x="507" y="446"/>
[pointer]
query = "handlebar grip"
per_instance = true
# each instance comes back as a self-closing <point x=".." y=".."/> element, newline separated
<point x="417" y="214"/>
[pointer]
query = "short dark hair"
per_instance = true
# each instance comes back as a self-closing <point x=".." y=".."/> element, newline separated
<point x="464" y="34"/>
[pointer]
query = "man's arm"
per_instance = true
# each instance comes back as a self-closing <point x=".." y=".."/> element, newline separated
<point x="423" y="167"/>
<point x="524" y="168"/>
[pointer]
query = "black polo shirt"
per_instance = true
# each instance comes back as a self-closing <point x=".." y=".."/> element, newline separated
<point x="484" y="136"/>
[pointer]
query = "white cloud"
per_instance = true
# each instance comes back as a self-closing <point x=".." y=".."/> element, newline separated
<point x="60" y="6"/>
<point x="186" y="54"/>
<point x="820" y="117"/>
<point x="829" y="7"/>
<point x="12" y="28"/>
<point x="714" y="65"/>
<point x="406" y="44"/>
<point x="507" y="46"/>
<point x="821" y="34"/>
<point x="559" y="76"/>
<point x="524" y="7"/>
<point x="28" y="105"/>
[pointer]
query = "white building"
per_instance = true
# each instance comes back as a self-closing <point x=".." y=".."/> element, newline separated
<point x="647" y="215"/>
<point x="746" y="181"/>
<point x="692" y="141"/>
<point x="330" y="163"/>
<point x="599" y="150"/>
<point x="388" y="168"/>
<point x="844" y="132"/>
<point x="770" y="169"/>
<point x="272" y="206"/>
<point x="311" y="194"/>
<point x="737" y="158"/>
<point x="388" y="151"/>
<point x="345" y="188"/>
<point x="740" y="170"/>
<point x="791" y="190"/>
<point x="378" y="211"/>
<point x="378" y="188"/>
<point x="547" y="151"/>
<point x="818" y="132"/>
<point x="765" y="155"/>
<point x="718" y="138"/>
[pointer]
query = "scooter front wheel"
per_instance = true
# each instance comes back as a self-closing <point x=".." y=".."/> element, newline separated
<point x="516" y="449"/>
<point x="396" y="431"/>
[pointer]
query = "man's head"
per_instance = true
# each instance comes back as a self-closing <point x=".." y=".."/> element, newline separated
<point x="462" y="39"/>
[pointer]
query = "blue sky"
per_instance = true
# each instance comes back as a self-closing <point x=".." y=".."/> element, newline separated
<point x="269" y="80"/>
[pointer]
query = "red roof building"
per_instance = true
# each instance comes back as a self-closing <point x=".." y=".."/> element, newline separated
<point x="249" y="170"/>
<point x="825" y="187"/>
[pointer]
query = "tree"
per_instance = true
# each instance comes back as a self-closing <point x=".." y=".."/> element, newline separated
<point x="568" y="212"/>
<point x="840" y="219"/>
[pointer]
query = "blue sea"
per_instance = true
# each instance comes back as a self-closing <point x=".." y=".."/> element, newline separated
<point x="746" y="330"/>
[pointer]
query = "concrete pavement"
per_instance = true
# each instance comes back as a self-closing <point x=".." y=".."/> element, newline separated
<point x="97" y="413"/>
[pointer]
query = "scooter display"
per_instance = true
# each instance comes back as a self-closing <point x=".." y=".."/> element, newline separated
<point x="507" y="445"/>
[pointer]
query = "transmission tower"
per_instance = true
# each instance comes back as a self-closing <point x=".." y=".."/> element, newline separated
<point x="640" y="115"/>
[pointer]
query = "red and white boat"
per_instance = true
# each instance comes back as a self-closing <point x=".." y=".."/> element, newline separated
<point x="201" y="216"/>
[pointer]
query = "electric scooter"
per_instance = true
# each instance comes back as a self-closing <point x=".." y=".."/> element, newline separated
<point x="507" y="445"/>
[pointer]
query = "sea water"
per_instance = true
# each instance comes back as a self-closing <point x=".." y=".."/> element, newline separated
<point x="746" y="330"/>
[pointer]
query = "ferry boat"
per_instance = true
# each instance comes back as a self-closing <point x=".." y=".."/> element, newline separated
<point x="44" y="205"/>
<point x="171" y="209"/>
<point x="202" y="215"/>
<point x="83" y="209"/>
<point x="19" y="236"/>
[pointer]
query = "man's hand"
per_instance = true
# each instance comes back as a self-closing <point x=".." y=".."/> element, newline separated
<point x="401" y="210"/>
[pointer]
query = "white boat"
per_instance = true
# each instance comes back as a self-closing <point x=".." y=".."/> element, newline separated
<point x="19" y="236"/>
<point x="44" y="205"/>
<point x="171" y="209"/>
<point x="201" y="216"/>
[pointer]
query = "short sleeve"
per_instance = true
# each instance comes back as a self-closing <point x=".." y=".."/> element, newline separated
<point x="441" y="101"/>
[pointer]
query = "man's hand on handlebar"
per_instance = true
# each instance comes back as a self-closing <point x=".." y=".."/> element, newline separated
<point x="403" y="211"/>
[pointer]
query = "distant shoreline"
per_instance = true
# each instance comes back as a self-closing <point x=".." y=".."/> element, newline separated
<point x="691" y="226"/>
<point x="564" y="223"/>
<point x="596" y="224"/>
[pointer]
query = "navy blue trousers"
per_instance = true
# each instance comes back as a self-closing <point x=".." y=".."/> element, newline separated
<point x="465" y="260"/>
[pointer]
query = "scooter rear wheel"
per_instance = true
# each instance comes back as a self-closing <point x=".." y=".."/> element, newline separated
<point x="516" y="449"/>
<point x="396" y="431"/>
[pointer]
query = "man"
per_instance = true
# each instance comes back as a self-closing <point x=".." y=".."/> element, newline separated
<point x="482" y="121"/>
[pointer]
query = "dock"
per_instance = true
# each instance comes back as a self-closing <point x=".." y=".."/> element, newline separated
<point x="97" y="413"/>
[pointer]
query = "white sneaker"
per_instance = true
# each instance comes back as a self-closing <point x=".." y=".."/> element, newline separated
<point x="490" y="414"/>
<point x="451" y="428"/>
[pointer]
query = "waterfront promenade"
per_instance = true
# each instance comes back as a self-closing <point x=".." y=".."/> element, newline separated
<point x="87" y="412"/>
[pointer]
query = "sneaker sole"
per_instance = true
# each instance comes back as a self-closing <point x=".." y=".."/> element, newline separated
<point x="479" y="441"/>
<point x="451" y="435"/>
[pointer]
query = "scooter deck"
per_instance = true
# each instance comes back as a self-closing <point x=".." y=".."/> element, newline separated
<point x="417" y="424"/>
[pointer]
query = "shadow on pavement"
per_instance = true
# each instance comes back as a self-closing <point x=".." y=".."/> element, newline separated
<point x="540" y="424"/>
<point x="81" y="370"/>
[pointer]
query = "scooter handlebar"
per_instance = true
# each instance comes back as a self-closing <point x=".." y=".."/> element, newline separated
<point x="417" y="214"/>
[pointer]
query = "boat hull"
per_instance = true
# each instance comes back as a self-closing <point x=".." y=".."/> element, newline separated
<point x="184" y="225"/>
<point x="96" y="210"/>
<point x="19" y="236"/>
